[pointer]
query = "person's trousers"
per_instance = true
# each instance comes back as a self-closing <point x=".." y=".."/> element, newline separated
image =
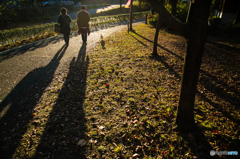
<point x="66" y="37"/>
<point x="84" y="38"/>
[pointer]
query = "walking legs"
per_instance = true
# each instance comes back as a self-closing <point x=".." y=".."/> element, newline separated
<point x="66" y="38"/>
<point x="84" y="38"/>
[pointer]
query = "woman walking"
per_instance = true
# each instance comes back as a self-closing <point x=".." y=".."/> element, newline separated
<point x="83" y="19"/>
<point x="64" y="20"/>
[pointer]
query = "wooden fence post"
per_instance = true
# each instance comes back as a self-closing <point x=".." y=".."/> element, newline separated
<point x="146" y="19"/>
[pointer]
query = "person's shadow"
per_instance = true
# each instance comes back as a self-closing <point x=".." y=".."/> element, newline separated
<point x="67" y="123"/>
<point x="18" y="106"/>
<point x="28" y="47"/>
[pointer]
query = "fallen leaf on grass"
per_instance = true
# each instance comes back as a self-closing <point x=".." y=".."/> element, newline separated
<point x="92" y="141"/>
<point x="218" y="132"/>
<point x="135" y="155"/>
<point x="101" y="127"/>
<point x="82" y="142"/>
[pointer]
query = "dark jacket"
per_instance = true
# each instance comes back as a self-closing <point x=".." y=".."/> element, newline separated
<point x="64" y="21"/>
<point x="83" y="19"/>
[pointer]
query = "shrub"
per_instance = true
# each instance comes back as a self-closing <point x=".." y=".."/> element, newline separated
<point x="216" y="28"/>
<point x="215" y="20"/>
<point x="33" y="15"/>
<point x="153" y="19"/>
<point x="142" y="4"/>
<point x="7" y="12"/>
<point x="182" y="11"/>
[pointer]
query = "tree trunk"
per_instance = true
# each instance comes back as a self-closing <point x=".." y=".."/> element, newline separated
<point x="237" y="21"/>
<point x="173" y="11"/>
<point x="154" y="53"/>
<point x="195" y="33"/>
<point x="131" y="16"/>
<point x="174" y="7"/>
<point x="192" y="63"/>
<point x="121" y="5"/>
<point x="159" y="23"/>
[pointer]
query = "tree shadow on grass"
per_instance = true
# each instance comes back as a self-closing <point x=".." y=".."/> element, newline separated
<point x="233" y="143"/>
<point x="139" y="41"/>
<point x="224" y="46"/>
<point x="206" y="80"/>
<point x="159" y="46"/>
<point x="200" y="146"/>
<point x="66" y="124"/>
<point x="17" y="108"/>
<point x="170" y="68"/>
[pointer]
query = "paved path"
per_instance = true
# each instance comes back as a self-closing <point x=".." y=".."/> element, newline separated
<point x="17" y="63"/>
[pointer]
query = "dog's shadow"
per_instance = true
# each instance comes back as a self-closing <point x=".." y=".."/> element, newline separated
<point x="103" y="44"/>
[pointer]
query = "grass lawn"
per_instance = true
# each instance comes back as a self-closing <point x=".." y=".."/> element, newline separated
<point x="118" y="101"/>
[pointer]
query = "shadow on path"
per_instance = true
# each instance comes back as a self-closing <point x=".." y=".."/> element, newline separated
<point x="28" y="47"/>
<point x="17" y="108"/>
<point x="66" y="124"/>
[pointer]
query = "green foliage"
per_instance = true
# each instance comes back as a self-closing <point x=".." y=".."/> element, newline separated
<point x="217" y="28"/>
<point x="131" y="100"/>
<point x="182" y="11"/>
<point x="101" y="148"/>
<point x="32" y="15"/>
<point x="152" y="20"/>
<point x="7" y="13"/>
<point x="25" y="3"/>
<point x="118" y="149"/>
<point x="142" y="4"/>
<point x="225" y="30"/>
<point x="215" y="20"/>
<point x="13" y="35"/>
